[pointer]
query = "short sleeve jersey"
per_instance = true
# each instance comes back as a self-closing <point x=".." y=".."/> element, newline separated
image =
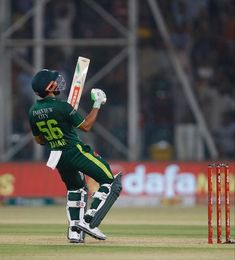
<point x="55" y="120"/>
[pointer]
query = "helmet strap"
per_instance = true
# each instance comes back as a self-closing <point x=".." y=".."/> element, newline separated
<point x="56" y="93"/>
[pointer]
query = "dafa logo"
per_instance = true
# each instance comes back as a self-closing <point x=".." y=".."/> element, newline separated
<point x="167" y="184"/>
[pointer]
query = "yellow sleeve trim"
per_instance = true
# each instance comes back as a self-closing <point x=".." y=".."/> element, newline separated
<point x="80" y="124"/>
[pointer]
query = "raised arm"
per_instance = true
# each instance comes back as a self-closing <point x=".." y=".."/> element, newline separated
<point x="99" y="98"/>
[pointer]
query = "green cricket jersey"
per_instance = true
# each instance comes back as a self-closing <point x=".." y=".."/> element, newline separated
<point x="55" y="121"/>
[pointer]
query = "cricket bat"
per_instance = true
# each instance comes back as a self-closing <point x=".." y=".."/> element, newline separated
<point x="78" y="82"/>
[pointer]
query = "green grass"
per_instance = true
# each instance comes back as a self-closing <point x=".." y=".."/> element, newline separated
<point x="156" y="233"/>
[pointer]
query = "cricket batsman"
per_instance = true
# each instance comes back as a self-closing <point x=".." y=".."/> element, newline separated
<point x="54" y="123"/>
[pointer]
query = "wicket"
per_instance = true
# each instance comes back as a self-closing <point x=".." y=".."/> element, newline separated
<point x="218" y="170"/>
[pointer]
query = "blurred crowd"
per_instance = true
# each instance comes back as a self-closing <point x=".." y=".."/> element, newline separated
<point x="202" y="33"/>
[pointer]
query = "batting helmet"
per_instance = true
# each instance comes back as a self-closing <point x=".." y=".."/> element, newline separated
<point x="42" y="79"/>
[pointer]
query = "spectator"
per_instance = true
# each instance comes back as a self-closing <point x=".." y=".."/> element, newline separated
<point x="225" y="135"/>
<point x="63" y="18"/>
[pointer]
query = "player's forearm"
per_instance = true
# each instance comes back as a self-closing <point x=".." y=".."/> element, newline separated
<point x="99" y="98"/>
<point x="89" y="120"/>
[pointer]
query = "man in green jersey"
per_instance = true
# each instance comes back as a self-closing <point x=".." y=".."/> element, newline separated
<point x="53" y="123"/>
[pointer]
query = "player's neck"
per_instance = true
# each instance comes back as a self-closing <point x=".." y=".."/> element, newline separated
<point x="51" y="94"/>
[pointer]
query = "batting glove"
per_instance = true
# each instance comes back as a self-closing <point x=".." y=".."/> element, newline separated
<point x="99" y="97"/>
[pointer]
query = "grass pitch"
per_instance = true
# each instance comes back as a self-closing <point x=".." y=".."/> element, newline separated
<point x="146" y="233"/>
